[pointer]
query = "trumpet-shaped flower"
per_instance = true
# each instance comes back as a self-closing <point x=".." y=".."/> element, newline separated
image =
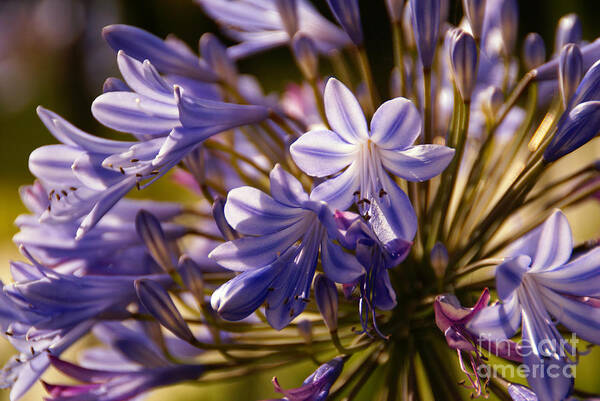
<point x="539" y="284"/>
<point x="370" y="155"/>
<point x="273" y="268"/>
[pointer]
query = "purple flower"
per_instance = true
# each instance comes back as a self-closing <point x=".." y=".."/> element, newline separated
<point x="539" y="282"/>
<point x="368" y="156"/>
<point x="170" y="56"/>
<point x="316" y="386"/>
<point x="426" y="26"/>
<point x="258" y="26"/>
<point x="115" y="385"/>
<point x="273" y="268"/>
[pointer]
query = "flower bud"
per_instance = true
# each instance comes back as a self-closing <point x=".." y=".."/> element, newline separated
<point x="407" y="27"/>
<point x="149" y="229"/>
<point x="394" y="9"/>
<point x="215" y="54"/>
<point x="304" y="327"/>
<point x="159" y="304"/>
<point x="288" y="11"/>
<point x="589" y="88"/>
<point x="347" y="14"/>
<point x="575" y="128"/>
<point x="475" y="12"/>
<point x="218" y="212"/>
<point x="191" y="275"/>
<point x="439" y="259"/>
<point x="509" y="23"/>
<point x="570" y="71"/>
<point x="306" y="55"/>
<point x="327" y="300"/>
<point x="534" y="51"/>
<point x="568" y="31"/>
<point x="426" y="26"/>
<point x="491" y="101"/>
<point x="463" y="62"/>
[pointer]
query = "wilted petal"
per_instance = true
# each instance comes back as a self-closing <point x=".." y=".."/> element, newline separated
<point x="417" y="163"/>
<point x="320" y="153"/>
<point x="344" y="113"/>
<point x="396" y="124"/>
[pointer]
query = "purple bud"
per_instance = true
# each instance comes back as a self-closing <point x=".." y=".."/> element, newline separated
<point x="509" y="23"/>
<point x="288" y="11"/>
<point x="426" y="25"/>
<point x="306" y="55"/>
<point x="570" y="71"/>
<point x="191" y="275"/>
<point x="534" y="51"/>
<point x="407" y="27"/>
<point x="215" y="54"/>
<point x="327" y="300"/>
<point x="463" y="62"/>
<point x="549" y="70"/>
<point x="492" y="99"/>
<point x="304" y="327"/>
<point x="439" y="259"/>
<point x="149" y="229"/>
<point x="158" y="303"/>
<point x="394" y="8"/>
<point x="575" y="128"/>
<point x="568" y="31"/>
<point x="475" y="12"/>
<point x="347" y="14"/>
<point x="218" y="212"/>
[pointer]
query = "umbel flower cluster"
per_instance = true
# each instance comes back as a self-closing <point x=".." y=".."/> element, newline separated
<point x="336" y="223"/>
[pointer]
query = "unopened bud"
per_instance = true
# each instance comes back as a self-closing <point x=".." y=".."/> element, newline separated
<point x="149" y="229"/>
<point x="191" y="275"/>
<point x="568" y="30"/>
<point x="439" y="259"/>
<point x="327" y="300"/>
<point x="426" y="26"/>
<point x="491" y="101"/>
<point x="347" y="14"/>
<point x="288" y="11"/>
<point x="215" y="54"/>
<point x="304" y="327"/>
<point x="534" y="51"/>
<point x="475" y="12"/>
<point x="394" y="8"/>
<point x="306" y="55"/>
<point x="570" y="71"/>
<point x="159" y="304"/>
<point x="218" y="212"/>
<point x="463" y="61"/>
<point x="407" y="27"/>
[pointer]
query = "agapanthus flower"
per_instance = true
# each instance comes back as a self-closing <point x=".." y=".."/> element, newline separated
<point x="307" y="232"/>
<point x="369" y="155"/>
<point x="275" y="270"/>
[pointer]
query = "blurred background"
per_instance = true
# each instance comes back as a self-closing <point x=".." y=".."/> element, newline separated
<point x="52" y="54"/>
